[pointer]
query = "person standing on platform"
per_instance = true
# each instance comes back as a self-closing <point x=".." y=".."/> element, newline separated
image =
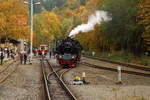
<point x="50" y="53"/>
<point x="21" y="58"/>
<point x="5" y="53"/>
<point x="8" y="53"/>
<point x="25" y="58"/>
<point x="12" y="54"/>
<point x="29" y="59"/>
<point x="1" y="56"/>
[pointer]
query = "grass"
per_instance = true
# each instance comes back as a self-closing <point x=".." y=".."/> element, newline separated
<point x="122" y="57"/>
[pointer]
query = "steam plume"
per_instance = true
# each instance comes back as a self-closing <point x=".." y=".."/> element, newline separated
<point x="93" y="19"/>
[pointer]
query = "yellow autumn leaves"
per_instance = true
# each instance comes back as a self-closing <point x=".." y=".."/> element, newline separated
<point x="144" y="20"/>
<point x="11" y="13"/>
<point x="59" y="21"/>
<point x="47" y="26"/>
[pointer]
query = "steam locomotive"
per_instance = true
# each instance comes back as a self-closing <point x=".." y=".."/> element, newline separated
<point x="68" y="52"/>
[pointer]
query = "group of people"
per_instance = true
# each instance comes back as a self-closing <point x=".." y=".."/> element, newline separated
<point x="6" y="53"/>
<point x="24" y="57"/>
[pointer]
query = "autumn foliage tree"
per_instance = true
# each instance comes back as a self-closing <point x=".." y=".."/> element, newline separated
<point x="47" y="27"/>
<point x="144" y="20"/>
<point x="95" y="40"/>
<point x="125" y="32"/>
<point x="13" y="19"/>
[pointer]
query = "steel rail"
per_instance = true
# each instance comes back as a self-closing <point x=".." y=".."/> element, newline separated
<point x="49" y="74"/>
<point x="7" y="66"/>
<point x="61" y="78"/>
<point x="115" y="70"/>
<point x="63" y="85"/>
<point x="45" y="81"/>
<point x="122" y="64"/>
<point x="10" y="73"/>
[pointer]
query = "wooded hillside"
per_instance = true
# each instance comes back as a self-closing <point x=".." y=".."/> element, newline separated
<point x="129" y="29"/>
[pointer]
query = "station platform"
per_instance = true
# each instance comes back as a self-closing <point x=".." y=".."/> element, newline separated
<point x="25" y="83"/>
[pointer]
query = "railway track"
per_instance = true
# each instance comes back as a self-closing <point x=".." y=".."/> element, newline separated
<point x="8" y="70"/>
<point x="140" y="67"/>
<point x="115" y="69"/>
<point x="56" y="88"/>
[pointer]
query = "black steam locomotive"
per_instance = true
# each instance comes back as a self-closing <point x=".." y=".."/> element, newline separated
<point x="68" y="52"/>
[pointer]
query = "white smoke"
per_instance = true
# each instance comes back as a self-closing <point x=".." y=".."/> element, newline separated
<point x="93" y="19"/>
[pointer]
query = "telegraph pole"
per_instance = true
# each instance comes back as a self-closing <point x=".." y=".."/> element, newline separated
<point x="31" y="35"/>
<point x="31" y="25"/>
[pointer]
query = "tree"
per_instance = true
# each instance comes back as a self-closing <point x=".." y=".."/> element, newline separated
<point x="73" y="4"/>
<point x="92" y="5"/>
<point x="47" y="27"/>
<point x="67" y="26"/>
<point x="123" y="29"/>
<point x="12" y="13"/>
<point x="143" y="17"/>
<point x="82" y="2"/>
<point x="50" y="4"/>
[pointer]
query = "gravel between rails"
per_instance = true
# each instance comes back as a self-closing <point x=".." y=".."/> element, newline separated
<point x="5" y="65"/>
<point x="57" y="91"/>
<point x="102" y="85"/>
<point x="25" y="84"/>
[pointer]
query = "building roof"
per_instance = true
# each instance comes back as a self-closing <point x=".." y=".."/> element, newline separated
<point x="10" y="40"/>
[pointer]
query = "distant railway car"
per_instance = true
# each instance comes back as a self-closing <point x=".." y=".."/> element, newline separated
<point x="43" y="49"/>
<point x="68" y="52"/>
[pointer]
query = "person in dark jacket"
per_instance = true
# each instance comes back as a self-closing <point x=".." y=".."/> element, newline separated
<point x="50" y="54"/>
<point x="25" y="58"/>
<point x="1" y="56"/>
<point x="12" y="54"/>
<point x="21" y="58"/>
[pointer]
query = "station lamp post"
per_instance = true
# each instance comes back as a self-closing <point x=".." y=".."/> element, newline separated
<point x="31" y="23"/>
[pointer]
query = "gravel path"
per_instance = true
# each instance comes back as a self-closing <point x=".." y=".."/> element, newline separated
<point x="24" y="84"/>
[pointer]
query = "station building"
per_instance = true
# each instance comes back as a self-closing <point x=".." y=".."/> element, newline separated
<point x="15" y="45"/>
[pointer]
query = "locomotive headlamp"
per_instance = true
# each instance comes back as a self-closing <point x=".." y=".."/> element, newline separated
<point x="73" y="56"/>
<point x="60" y="56"/>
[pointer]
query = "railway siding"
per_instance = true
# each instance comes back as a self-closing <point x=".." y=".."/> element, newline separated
<point x="113" y="66"/>
<point x="146" y="68"/>
<point x="102" y="85"/>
